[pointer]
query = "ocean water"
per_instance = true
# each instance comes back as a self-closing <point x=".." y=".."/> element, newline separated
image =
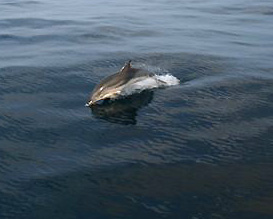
<point x="200" y="149"/>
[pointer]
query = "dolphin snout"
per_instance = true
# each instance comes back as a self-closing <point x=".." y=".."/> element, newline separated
<point x="89" y="103"/>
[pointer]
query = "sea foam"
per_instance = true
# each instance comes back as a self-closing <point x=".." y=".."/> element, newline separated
<point x="146" y="83"/>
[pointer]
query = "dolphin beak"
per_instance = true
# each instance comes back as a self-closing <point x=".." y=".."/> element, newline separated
<point x="89" y="103"/>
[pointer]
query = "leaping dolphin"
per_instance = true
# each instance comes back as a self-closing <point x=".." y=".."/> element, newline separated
<point x="112" y="86"/>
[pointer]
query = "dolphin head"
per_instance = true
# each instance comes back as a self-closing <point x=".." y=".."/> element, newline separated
<point x="110" y="87"/>
<point x="102" y="93"/>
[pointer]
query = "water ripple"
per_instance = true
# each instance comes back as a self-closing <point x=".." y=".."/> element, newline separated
<point x="202" y="149"/>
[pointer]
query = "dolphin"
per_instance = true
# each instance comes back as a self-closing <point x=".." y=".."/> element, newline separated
<point x="112" y="86"/>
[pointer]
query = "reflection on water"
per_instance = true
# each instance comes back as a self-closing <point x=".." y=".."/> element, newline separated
<point x="122" y="111"/>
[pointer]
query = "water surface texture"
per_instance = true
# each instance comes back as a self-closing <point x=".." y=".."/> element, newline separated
<point x="202" y="149"/>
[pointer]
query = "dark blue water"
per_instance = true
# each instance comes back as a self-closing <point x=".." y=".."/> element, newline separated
<point x="203" y="149"/>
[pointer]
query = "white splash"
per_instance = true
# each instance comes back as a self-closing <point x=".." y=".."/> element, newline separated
<point x="146" y="83"/>
<point x="168" y="79"/>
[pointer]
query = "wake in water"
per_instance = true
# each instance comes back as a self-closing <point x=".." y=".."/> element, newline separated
<point x="128" y="81"/>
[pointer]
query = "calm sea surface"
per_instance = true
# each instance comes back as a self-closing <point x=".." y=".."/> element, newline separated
<point x="202" y="149"/>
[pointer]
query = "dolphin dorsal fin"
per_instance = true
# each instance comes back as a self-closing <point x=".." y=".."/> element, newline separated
<point x="126" y="67"/>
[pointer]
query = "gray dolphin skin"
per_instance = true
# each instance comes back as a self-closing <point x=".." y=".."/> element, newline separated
<point x="111" y="86"/>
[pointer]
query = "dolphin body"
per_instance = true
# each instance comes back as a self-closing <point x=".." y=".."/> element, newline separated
<point x="112" y="86"/>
